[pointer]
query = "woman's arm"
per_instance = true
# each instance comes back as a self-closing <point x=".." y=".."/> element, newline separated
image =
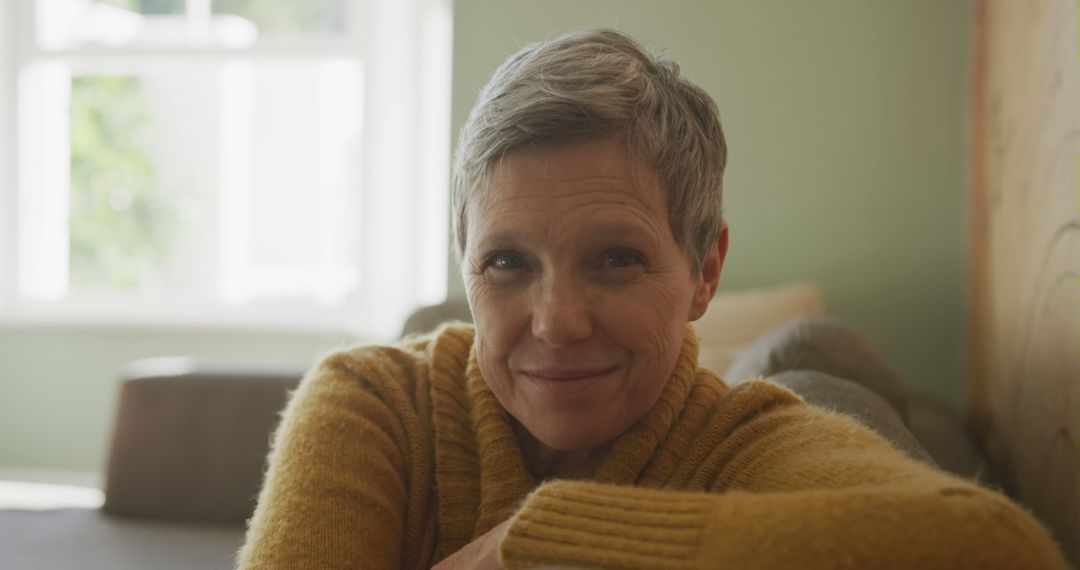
<point x="827" y="493"/>
<point x="335" y="493"/>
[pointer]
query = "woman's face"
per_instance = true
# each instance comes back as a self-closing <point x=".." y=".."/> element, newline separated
<point x="580" y="293"/>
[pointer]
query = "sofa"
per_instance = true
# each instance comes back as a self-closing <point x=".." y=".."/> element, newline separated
<point x="190" y="439"/>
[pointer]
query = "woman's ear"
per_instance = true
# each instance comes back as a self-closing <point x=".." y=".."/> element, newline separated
<point x="708" y="278"/>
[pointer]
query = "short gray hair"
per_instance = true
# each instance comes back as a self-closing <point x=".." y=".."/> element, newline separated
<point x="601" y="83"/>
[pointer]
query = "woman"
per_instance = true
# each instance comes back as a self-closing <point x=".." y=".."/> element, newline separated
<point x="571" y="427"/>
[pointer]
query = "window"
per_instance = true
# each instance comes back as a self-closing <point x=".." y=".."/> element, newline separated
<point x="252" y="162"/>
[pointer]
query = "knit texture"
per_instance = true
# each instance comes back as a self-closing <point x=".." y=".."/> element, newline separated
<point x="396" y="457"/>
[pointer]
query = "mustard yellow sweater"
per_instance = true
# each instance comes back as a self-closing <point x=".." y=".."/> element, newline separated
<point x="396" y="457"/>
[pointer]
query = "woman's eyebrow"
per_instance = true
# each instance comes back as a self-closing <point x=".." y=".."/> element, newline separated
<point x="623" y="230"/>
<point x="501" y="237"/>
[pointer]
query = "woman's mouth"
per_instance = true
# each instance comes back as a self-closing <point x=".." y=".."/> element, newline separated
<point x="567" y="374"/>
<point x="569" y="386"/>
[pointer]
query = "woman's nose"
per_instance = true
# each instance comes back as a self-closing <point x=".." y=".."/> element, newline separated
<point x="560" y="314"/>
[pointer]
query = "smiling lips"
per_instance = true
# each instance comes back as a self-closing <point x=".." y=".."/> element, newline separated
<point x="563" y="374"/>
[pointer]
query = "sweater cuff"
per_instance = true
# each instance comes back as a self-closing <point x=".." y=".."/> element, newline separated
<point x="579" y="524"/>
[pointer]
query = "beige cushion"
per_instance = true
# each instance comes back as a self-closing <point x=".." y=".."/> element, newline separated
<point x="736" y="318"/>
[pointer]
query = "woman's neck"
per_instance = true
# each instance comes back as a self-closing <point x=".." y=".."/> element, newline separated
<point x="546" y="463"/>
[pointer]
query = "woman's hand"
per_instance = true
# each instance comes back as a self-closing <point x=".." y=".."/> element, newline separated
<point x="480" y="554"/>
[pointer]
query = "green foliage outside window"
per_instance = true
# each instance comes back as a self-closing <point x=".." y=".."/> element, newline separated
<point x="119" y="225"/>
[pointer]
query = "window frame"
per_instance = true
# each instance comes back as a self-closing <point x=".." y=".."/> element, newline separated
<point x="405" y="141"/>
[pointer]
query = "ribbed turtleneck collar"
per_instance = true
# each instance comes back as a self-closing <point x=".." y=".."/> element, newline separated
<point x="487" y="464"/>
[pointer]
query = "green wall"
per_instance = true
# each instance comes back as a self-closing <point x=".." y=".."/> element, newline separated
<point x="846" y="122"/>
<point x="59" y="385"/>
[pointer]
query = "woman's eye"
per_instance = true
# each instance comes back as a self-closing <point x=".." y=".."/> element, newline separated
<point x="506" y="260"/>
<point x="621" y="258"/>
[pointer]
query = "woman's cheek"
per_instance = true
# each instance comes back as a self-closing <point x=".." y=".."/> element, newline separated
<point x="485" y="295"/>
<point x="498" y="315"/>
<point x="659" y="311"/>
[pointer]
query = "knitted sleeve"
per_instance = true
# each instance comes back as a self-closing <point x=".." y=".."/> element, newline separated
<point x="336" y="491"/>
<point x="802" y="488"/>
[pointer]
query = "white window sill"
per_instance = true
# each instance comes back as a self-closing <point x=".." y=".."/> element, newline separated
<point x="254" y="321"/>
<point x="45" y="489"/>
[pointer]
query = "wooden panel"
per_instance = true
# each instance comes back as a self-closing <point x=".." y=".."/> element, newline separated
<point x="1024" y="381"/>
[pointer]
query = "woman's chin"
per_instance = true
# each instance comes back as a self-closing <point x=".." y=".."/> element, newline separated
<point x="571" y="438"/>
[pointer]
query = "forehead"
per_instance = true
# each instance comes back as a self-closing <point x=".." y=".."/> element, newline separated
<point x="598" y="172"/>
<point x="569" y="196"/>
